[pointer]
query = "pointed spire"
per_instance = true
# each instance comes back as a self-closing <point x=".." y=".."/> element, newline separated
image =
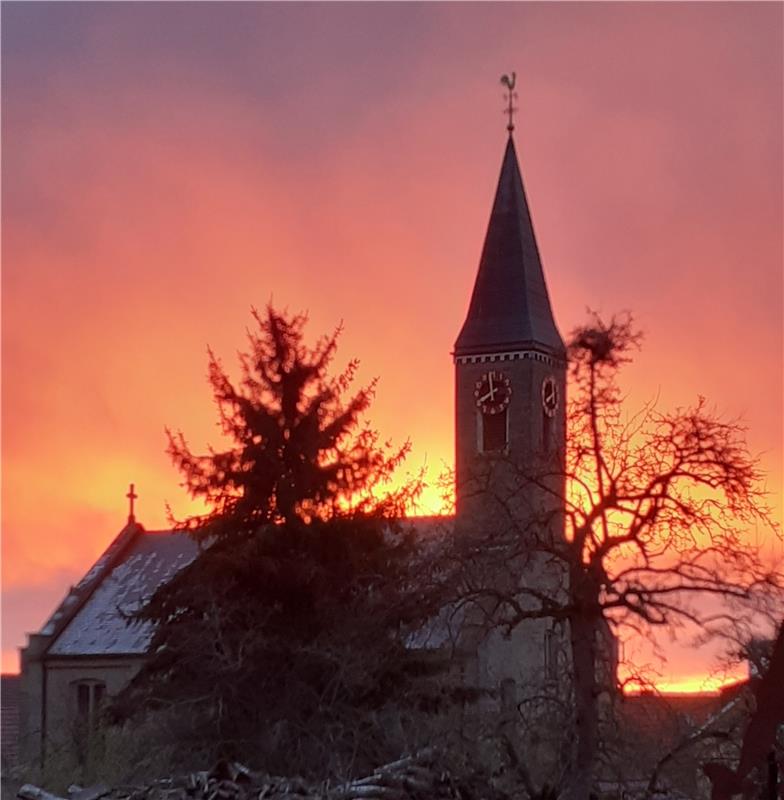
<point x="510" y="307"/>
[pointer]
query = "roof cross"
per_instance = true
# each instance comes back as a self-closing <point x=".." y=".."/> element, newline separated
<point x="131" y="496"/>
<point x="510" y="96"/>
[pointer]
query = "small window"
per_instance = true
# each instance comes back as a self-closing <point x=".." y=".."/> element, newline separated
<point x="547" y="433"/>
<point x="83" y="692"/>
<point x="89" y="696"/>
<point x="550" y="655"/>
<point x="99" y="689"/>
<point x="494" y="429"/>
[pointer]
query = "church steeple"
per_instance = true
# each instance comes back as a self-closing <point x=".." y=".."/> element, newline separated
<point x="510" y="308"/>
<point x="510" y="360"/>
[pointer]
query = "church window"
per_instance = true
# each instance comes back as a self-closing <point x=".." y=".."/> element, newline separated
<point x="550" y="655"/>
<point x="494" y="431"/>
<point x="83" y="691"/>
<point x="89" y="696"/>
<point x="547" y="432"/>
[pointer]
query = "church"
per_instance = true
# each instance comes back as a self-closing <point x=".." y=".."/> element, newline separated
<point x="510" y="387"/>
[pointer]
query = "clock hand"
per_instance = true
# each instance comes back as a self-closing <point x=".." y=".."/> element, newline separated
<point x="489" y="394"/>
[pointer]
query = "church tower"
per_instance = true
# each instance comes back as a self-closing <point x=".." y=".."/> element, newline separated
<point x="510" y="360"/>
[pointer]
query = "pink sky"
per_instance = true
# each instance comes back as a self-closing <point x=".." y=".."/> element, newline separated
<point x="165" y="166"/>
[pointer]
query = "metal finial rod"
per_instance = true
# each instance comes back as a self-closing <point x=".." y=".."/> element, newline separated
<point x="510" y="97"/>
<point x="131" y="496"/>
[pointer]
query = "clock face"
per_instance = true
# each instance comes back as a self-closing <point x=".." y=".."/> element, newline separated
<point x="493" y="392"/>
<point x="549" y="396"/>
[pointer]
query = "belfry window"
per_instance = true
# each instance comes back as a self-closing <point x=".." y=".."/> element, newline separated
<point x="547" y="432"/>
<point x="494" y="431"/>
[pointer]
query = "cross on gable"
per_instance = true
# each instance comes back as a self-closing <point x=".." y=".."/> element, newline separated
<point x="131" y="497"/>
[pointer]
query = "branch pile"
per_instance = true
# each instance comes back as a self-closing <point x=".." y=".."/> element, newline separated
<point x="415" y="777"/>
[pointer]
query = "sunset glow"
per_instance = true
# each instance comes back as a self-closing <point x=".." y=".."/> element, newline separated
<point x="688" y="684"/>
<point x="168" y="166"/>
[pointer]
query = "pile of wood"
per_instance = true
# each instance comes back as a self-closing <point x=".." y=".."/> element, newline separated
<point x="413" y="778"/>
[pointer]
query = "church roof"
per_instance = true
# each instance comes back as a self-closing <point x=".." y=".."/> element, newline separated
<point x="100" y="626"/>
<point x="92" y="620"/>
<point x="510" y="307"/>
<point x="77" y="594"/>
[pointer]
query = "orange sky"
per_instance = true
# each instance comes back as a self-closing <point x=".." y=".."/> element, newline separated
<point x="165" y="166"/>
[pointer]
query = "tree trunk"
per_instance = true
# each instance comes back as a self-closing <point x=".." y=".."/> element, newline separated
<point x="583" y="640"/>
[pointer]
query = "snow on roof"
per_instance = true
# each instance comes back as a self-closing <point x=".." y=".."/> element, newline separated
<point x="70" y="603"/>
<point x="100" y="627"/>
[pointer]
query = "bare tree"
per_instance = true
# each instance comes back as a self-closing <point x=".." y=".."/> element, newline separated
<point x="636" y="524"/>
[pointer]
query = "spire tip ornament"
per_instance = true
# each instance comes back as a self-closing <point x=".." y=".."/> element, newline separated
<point x="510" y="97"/>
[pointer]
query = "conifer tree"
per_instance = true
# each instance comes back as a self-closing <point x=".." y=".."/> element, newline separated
<point x="298" y="452"/>
<point x="287" y="633"/>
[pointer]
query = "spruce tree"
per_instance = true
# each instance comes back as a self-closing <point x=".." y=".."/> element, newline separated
<point x="287" y="633"/>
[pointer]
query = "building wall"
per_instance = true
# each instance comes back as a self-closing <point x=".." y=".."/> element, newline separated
<point x="9" y="734"/>
<point x="484" y="477"/>
<point x="518" y="657"/>
<point x="48" y="703"/>
<point x="62" y="677"/>
<point x="31" y="698"/>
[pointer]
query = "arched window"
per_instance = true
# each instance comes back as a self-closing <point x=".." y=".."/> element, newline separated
<point x="88" y="695"/>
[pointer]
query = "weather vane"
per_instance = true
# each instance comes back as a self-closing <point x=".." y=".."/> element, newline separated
<point x="131" y="496"/>
<point x="510" y="97"/>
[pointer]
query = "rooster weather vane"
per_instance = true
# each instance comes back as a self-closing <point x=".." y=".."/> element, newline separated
<point x="510" y="97"/>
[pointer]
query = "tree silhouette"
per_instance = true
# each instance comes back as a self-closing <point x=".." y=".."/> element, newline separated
<point x="759" y="739"/>
<point x="297" y="450"/>
<point x="287" y="633"/>
<point x="638" y="522"/>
